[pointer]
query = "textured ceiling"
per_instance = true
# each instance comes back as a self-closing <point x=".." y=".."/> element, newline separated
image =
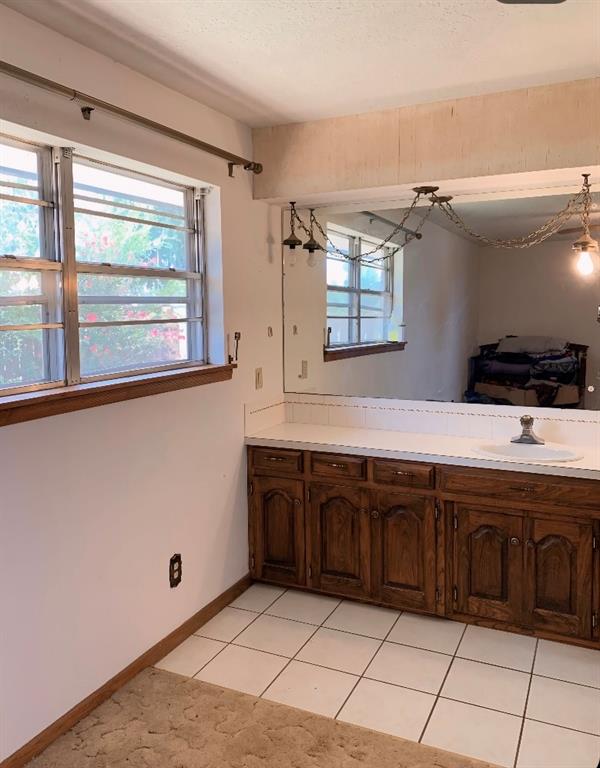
<point x="275" y="61"/>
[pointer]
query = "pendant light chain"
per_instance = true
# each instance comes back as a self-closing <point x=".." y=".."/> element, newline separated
<point x="581" y="203"/>
<point x="536" y="237"/>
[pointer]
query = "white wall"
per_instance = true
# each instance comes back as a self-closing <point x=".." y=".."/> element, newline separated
<point x="93" y="504"/>
<point x="538" y="292"/>
<point x="440" y="314"/>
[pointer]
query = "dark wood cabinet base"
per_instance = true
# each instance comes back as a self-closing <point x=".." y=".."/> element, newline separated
<point x="496" y="548"/>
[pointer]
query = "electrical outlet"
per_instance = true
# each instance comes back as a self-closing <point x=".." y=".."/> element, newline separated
<point x="175" y="569"/>
<point x="258" y="378"/>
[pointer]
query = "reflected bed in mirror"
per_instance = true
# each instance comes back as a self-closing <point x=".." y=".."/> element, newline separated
<point x="444" y="318"/>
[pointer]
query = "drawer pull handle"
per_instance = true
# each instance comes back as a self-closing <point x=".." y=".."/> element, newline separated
<point x="401" y="472"/>
<point x="515" y="541"/>
<point x="276" y="458"/>
<point x="523" y="488"/>
<point x="375" y="514"/>
<point x="336" y="466"/>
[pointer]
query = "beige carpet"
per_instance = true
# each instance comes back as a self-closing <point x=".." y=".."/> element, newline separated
<point x="163" y="720"/>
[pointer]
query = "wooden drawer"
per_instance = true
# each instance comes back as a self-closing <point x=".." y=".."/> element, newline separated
<point x="331" y="465"/>
<point x="403" y="473"/>
<point x="521" y="487"/>
<point x="277" y="460"/>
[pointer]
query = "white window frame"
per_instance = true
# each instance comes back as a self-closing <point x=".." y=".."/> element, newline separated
<point x="355" y="243"/>
<point x="58" y="206"/>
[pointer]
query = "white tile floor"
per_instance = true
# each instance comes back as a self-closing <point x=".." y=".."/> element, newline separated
<point x="512" y="700"/>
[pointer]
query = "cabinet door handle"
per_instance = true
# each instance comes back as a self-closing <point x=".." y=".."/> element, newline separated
<point x="298" y="502"/>
<point x="375" y="514"/>
<point x="515" y="541"/>
<point x="530" y="543"/>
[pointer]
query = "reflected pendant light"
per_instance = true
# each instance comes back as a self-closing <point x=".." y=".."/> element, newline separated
<point x="586" y="246"/>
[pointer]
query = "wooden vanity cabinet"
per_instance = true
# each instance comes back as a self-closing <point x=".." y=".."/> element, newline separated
<point x="404" y="552"/>
<point x="498" y="548"/>
<point x="276" y="530"/>
<point x="487" y="562"/>
<point x="339" y="536"/>
<point x="558" y="576"/>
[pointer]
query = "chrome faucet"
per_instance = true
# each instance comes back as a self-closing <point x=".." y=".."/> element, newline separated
<point x="527" y="436"/>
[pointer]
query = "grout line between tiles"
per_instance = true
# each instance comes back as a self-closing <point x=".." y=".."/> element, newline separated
<point x="361" y="677"/>
<point x="570" y="682"/>
<point x="299" y="649"/>
<point x="437" y="698"/>
<point x="563" y="727"/>
<point x="230" y="642"/>
<point x="535" y="650"/>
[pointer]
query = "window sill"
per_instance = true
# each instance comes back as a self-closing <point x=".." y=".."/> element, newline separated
<point x="359" y="350"/>
<point x="51" y="402"/>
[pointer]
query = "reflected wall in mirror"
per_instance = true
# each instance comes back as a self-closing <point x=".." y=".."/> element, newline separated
<point x="445" y="318"/>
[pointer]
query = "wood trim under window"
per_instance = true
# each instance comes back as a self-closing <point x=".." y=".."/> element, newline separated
<point x="51" y="402"/>
<point x="359" y="350"/>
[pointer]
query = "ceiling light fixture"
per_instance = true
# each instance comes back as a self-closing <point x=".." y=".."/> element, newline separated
<point x="586" y="246"/>
<point x="292" y="240"/>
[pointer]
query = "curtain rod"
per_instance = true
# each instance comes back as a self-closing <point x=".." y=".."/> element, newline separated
<point x="372" y="215"/>
<point x="90" y="103"/>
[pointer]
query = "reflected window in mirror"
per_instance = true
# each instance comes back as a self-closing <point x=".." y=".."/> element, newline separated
<point x="360" y="292"/>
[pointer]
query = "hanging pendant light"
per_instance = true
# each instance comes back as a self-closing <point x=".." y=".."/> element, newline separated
<point x="586" y="246"/>
<point x="292" y="240"/>
<point x="311" y="245"/>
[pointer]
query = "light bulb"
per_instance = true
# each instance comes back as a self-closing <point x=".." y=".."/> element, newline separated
<point x="585" y="264"/>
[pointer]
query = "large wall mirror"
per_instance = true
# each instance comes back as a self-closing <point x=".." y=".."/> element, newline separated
<point x="446" y="318"/>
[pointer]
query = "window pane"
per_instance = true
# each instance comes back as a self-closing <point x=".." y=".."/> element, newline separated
<point x="340" y="331"/>
<point x="19" y="229"/>
<point x="24" y="356"/>
<point x="19" y="166"/>
<point x="341" y="242"/>
<point x="122" y="348"/>
<point x="127" y="243"/>
<point x="372" y="278"/>
<point x="20" y="282"/>
<point x="371" y="305"/>
<point x="135" y="287"/>
<point x="105" y="239"/>
<point x="93" y="313"/>
<point x="21" y="314"/>
<point x="340" y="303"/>
<point x="373" y="329"/>
<point x="338" y="273"/>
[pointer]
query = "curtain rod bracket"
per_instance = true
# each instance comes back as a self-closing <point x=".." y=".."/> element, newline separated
<point x="92" y="103"/>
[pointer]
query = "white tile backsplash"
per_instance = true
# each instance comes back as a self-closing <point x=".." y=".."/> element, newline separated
<point x="346" y="416"/>
<point x="576" y="428"/>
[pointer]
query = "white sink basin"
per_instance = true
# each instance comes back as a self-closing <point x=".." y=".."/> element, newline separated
<point x="523" y="452"/>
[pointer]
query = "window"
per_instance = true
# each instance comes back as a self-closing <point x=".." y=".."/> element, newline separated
<point x="359" y="292"/>
<point x="101" y="271"/>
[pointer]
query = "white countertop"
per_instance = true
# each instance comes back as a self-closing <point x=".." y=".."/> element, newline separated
<point x="440" y="449"/>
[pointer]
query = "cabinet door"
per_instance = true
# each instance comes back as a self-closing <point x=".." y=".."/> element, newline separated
<point x="559" y="576"/>
<point x="277" y="530"/>
<point x="404" y="550"/>
<point x="340" y="539"/>
<point x="488" y="563"/>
